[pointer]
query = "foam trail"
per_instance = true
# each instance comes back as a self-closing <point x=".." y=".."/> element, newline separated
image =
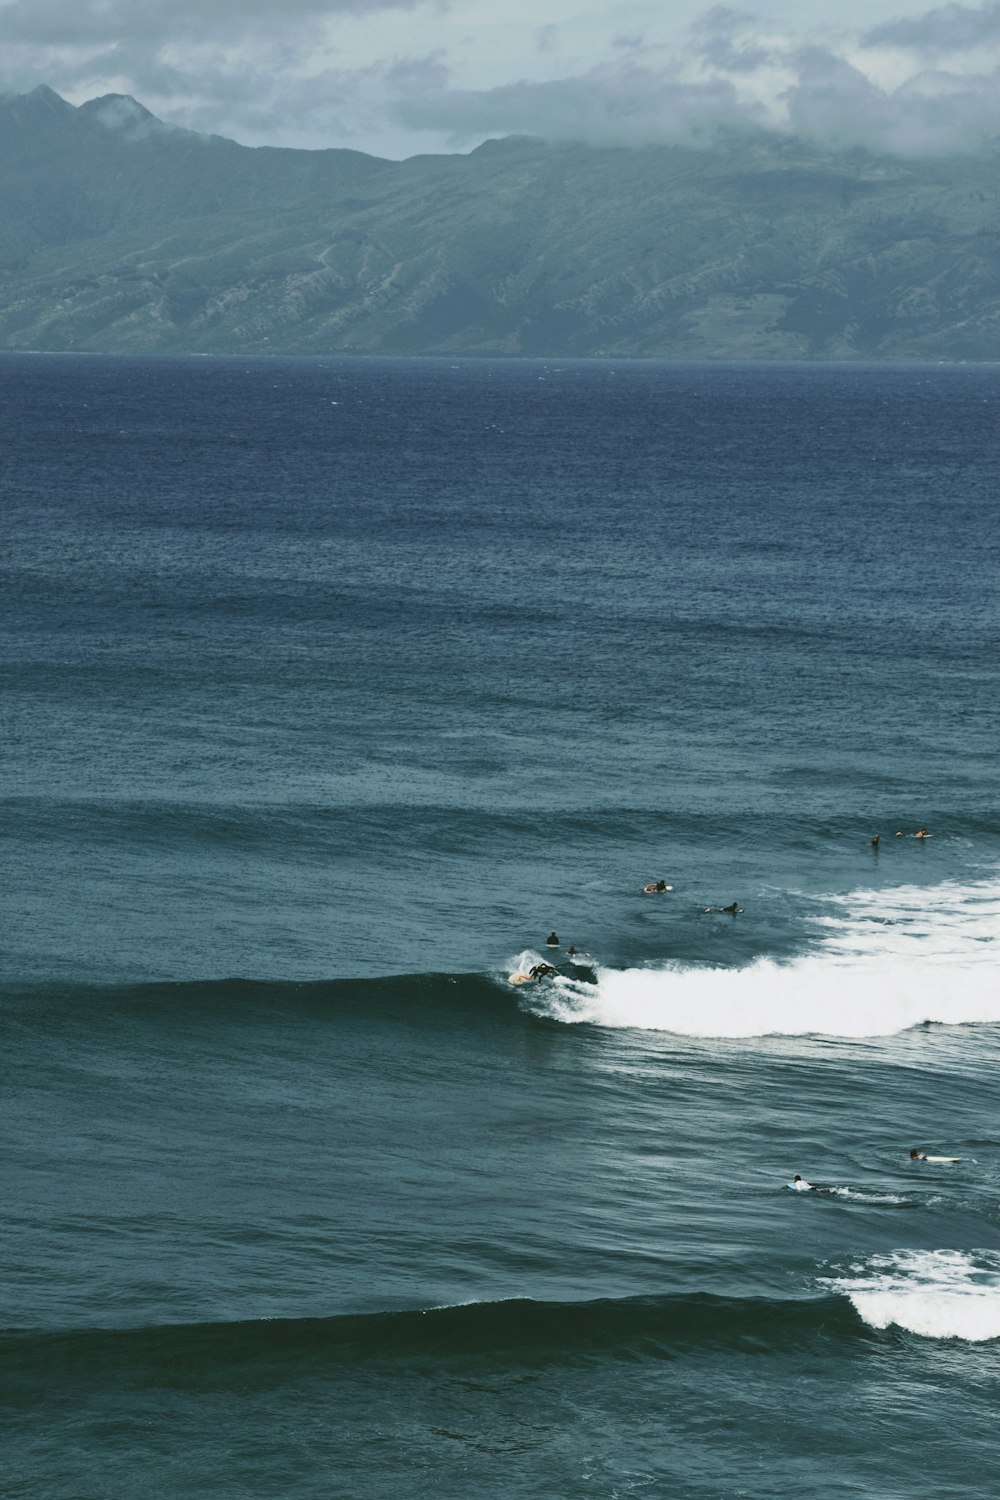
<point x="886" y="961"/>
<point x="940" y="1294"/>
<point x="879" y="1200"/>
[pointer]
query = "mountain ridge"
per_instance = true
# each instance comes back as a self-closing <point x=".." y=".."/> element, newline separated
<point x="122" y="233"/>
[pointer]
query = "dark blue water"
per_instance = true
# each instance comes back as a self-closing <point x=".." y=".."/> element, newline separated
<point x="329" y="688"/>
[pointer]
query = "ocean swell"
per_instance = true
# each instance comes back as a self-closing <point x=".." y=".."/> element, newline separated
<point x="520" y="1331"/>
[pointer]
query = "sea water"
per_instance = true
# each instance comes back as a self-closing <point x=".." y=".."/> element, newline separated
<point x="329" y="689"/>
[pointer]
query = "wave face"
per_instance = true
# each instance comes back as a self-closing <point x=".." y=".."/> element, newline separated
<point x="519" y="1330"/>
<point x="939" y="1294"/>
<point x="472" y="997"/>
<point x="884" y="961"/>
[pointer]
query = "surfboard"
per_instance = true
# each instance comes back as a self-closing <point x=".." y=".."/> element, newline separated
<point x="942" y="1158"/>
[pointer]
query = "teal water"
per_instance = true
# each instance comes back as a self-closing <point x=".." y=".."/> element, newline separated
<point x="330" y="688"/>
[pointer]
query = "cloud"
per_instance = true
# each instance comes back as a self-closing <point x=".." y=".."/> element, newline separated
<point x="951" y="29"/>
<point x="69" y="23"/>
<point x="726" y="40"/>
<point x="824" y="98"/>
<point x="123" y="116"/>
<point x="932" y="113"/>
<point x="624" y="105"/>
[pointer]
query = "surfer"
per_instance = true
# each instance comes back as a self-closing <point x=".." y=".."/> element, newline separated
<point x="916" y="1155"/>
<point x="801" y="1186"/>
<point x="539" y="971"/>
<point x="876" y="841"/>
<point x="654" y="886"/>
<point x="921" y="833"/>
<point x="533" y="975"/>
<point x="732" y="910"/>
<point x="552" y="941"/>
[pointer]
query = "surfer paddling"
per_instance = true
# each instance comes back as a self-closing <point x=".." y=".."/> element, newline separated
<point x="655" y="886"/>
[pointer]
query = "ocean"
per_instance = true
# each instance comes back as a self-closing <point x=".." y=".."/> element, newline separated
<point x="330" y="689"/>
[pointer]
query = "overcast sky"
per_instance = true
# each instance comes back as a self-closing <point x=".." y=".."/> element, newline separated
<point x="398" y="77"/>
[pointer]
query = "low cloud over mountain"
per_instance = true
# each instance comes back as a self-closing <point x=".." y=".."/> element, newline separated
<point x="400" y="77"/>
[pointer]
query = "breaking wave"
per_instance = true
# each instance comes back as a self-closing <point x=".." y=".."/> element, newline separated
<point x="939" y="1294"/>
<point x="883" y="961"/>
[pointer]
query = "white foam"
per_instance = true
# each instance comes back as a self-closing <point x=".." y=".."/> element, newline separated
<point x="858" y="1195"/>
<point x="940" y="1294"/>
<point x="886" y="961"/>
<point x="526" y="959"/>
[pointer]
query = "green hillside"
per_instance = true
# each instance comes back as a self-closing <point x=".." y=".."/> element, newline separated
<point x="119" y="233"/>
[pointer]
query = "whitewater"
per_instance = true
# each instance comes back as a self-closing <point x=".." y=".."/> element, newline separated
<point x="937" y="1294"/>
<point x="883" y="961"/>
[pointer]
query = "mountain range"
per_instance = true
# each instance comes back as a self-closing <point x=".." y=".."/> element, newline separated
<point x="125" y="234"/>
